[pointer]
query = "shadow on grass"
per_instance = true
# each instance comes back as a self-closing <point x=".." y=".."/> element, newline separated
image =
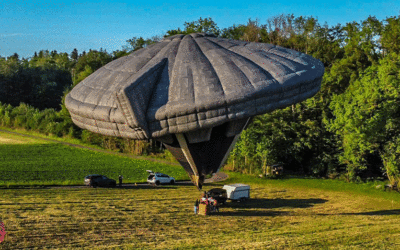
<point x="145" y="186"/>
<point x="246" y="208"/>
<point x="150" y="186"/>
<point x="248" y="213"/>
<point x="381" y="212"/>
<point x="275" y="203"/>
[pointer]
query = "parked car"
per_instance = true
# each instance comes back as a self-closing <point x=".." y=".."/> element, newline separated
<point x="218" y="194"/>
<point x="99" y="181"/>
<point x="277" y="169"/>
<point x="159" y="178"/>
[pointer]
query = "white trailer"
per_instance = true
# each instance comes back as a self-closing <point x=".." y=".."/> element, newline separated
<point x="237" y="191"/>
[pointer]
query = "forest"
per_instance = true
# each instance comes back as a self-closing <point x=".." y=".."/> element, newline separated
<point x="349" y="130"/>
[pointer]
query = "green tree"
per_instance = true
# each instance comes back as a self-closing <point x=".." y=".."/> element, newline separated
<point x="251" y="32"/>
<point x="390" y="39"/>
<point x="206" y="25"/>
<point x="90" y="62"/>
<point x="75" y="54"/>
<point x="138" y="43"/>
<point x="366" y="118"/>
<point x="234" y="32"/>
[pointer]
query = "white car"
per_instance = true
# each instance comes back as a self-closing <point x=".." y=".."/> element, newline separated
<point x="159" y="178"/>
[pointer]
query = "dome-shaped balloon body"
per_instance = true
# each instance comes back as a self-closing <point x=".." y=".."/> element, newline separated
<point x="195" y="93"/>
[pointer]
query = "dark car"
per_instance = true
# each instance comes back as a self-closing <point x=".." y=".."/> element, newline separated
<point x="97" y="180"/>
<point x="277" y="169"/>
<point x="218" y="194"/>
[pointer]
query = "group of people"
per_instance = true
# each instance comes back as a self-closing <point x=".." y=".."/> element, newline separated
<point x="206" y="200"/>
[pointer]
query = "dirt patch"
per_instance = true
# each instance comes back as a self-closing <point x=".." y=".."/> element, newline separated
<point x="4" y="140"/>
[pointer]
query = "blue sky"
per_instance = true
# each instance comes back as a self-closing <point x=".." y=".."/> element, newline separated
<point x="27" y="26"/>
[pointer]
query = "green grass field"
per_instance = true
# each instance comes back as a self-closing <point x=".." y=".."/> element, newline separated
<point x="32" y="161"/>
<point x="289" y="213"/>
<point x="280" y="215"/>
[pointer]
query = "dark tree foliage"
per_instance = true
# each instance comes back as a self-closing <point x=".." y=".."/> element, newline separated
<point x="40" y="82"/>
<point x="75" y="54"/>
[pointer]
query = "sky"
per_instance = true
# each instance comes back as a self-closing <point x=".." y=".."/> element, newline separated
<point x="27" y="26"/>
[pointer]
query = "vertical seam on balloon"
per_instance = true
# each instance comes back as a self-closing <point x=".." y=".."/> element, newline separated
<point x="181" y="58"/>
<point x="258" y="65"/>
<point x="144" y="49"/>
<point x="276" y="52"/>
<point x="122" y="83"/>
<point x="167" y="52"/>
<point x="231" y="56"/>
<point x="103" y="90"/>
<point x="209" y="62"/>
<point x="169" y="55"/>
<point x="159" y="71"/>
<point x="235" y="57"/>
<point x="284" y="61"/>
<point x="216" y="74"/>
<point x="225" y="104"/>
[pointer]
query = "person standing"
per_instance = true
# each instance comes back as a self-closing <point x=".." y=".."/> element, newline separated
<point x="216" y="206"/>
<point x="120" y="180"/>
<point x="196" y="207"/>
<point x="91" y="181"/>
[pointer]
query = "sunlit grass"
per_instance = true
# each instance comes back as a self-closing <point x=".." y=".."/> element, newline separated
<point x="10" y="138"/>
<point x="32" y="161"/>
<point x="289" y="213"/>
<point x="279" y="215"/>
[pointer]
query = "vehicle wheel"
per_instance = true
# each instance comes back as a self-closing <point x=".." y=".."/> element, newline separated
<point x="113" y="184"/>
<point x="172" y="182"/>
<point x="243" y="199"/>
<point x="157" y="183"/>
<point x="94" y="185"/>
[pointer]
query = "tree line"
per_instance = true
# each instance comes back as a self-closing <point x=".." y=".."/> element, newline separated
<point x="349" y="129"/>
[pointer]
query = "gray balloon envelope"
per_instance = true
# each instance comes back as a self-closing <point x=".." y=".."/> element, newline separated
<point x="195" y="93"/>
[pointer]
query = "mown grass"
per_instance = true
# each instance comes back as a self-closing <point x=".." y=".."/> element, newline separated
<point x="290" y="213"/>
<point x="282" y="214"/>
<point x="33" y="161"/>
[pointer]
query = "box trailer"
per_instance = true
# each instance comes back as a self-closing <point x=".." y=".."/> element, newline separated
<point x="237" y="191"/>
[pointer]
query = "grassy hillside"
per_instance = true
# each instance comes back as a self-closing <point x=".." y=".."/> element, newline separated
<point x="33" y="161"/>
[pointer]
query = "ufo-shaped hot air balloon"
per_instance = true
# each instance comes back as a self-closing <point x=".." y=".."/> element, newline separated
<point x="195" y="93"/>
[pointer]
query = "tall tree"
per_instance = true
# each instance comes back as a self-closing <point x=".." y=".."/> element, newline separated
<point x="75" y="54"/>
<point x="390" y="39"/>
